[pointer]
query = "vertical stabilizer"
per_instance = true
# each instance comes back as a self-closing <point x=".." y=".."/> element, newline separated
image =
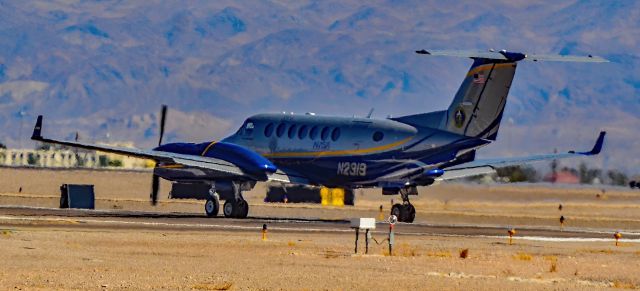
<point x="478" y="106"/>
<point x="479" y="103"/>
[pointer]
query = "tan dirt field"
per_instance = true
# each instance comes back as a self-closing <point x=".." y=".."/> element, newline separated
<point x="38" y="255"/>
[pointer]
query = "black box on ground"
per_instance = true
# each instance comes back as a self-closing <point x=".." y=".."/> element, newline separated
<point x="77" y="196"/>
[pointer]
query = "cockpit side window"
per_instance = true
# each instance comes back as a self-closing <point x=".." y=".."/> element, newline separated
<point x="248" y="128"/>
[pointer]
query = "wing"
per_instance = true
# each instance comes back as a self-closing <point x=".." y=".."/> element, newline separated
<point x="223" y="167"/>
<point x="487" y="166"/>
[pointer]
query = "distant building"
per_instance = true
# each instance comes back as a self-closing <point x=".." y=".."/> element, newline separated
<point x="65" y="158"/>
<point x="563" y="177"/>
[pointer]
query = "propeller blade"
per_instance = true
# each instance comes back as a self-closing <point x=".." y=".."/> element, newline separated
<point x="155" y="186"/>
<point x="163" y="117"/>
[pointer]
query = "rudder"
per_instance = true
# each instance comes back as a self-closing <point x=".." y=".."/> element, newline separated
<point x="478" y="105"/>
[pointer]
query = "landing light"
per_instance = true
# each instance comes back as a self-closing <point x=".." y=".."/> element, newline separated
<point x="435" y="173"/>
<point x="270" y="168"/>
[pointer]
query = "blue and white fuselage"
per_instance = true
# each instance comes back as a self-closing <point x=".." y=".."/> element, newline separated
<point x="350" y="152"/>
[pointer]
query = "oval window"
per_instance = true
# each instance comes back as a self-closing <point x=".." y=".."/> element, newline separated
<point x="268" y="130"/>
<point x="335" y="134"/>
<point x="302" y="132"/>
<point x="280" y="129"/>
<point x="292" y="131"/>
<point x="325" y="133"/>
<point x="313" y="134"/>
<point x="378" y="136"/>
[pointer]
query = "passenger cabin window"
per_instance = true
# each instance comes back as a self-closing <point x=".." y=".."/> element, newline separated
<point x="280" y="129"/>
<point x="325" y="133"/>
<point x="335" y="134"/>
<point x="268" y="131"/>
<point x="378" y="136"/>
<point x="302" y="132"/>
<point x="292" y="131"/>
<point x="313" y="134"/>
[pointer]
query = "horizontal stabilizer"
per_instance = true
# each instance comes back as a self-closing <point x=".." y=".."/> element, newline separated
<point x="505" y="162"/>
<point x="512" y="56"/>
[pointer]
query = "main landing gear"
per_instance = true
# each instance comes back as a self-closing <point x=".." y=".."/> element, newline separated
<point x="212" y="206"/>
<point x="405" y="212"/>
<point x="234" y="206"/>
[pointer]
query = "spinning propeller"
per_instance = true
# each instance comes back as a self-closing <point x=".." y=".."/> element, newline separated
<point x="155" y="182"/>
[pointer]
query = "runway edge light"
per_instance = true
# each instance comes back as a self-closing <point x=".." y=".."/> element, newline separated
<point x="511" y="232"/>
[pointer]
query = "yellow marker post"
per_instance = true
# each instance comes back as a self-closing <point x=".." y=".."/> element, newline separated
<point x="511" y="232"/>
<point x="617" y="236"/>
<point x="325" y="196"/>
<point x="381" y="214"/>
<point x="264" y="232"/>
<point x="337" y="197"/>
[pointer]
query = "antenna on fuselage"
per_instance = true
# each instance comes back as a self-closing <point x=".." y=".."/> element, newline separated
<point x="370" y="112"/>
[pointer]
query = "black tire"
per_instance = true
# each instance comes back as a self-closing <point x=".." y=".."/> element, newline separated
<point x="229" y="208"/>
<point x="212" y="207"/>
<point x="242" y="209"/>
<point x="411" y="213"/>
<point x="396" y="210"/>
<point x="400" y="211"/>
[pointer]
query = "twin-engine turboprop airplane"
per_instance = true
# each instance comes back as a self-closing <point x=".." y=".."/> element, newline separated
<point x="395" y="154"/>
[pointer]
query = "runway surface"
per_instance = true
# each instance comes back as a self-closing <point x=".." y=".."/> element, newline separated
<point x="19" y="216"/>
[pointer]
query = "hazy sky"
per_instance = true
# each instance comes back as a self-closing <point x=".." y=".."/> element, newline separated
<point x="104" y="67"/>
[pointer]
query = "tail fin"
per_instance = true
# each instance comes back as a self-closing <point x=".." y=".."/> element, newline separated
<point x="479" y="103"/>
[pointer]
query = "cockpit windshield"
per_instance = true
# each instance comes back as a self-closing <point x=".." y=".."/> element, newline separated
<point x="247" y="128"/>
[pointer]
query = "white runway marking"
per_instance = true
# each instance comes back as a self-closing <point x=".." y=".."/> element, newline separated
<point x="191" y="225"/>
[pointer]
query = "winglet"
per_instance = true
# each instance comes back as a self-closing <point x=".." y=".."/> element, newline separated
<point x="37" y="130"/>
<point x="597" y="148"/>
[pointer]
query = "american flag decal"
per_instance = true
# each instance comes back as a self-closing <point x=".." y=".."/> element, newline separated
<point x="479" y="78"/>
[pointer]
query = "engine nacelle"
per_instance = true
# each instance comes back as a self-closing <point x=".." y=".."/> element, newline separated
<point x="246" y="159"/>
